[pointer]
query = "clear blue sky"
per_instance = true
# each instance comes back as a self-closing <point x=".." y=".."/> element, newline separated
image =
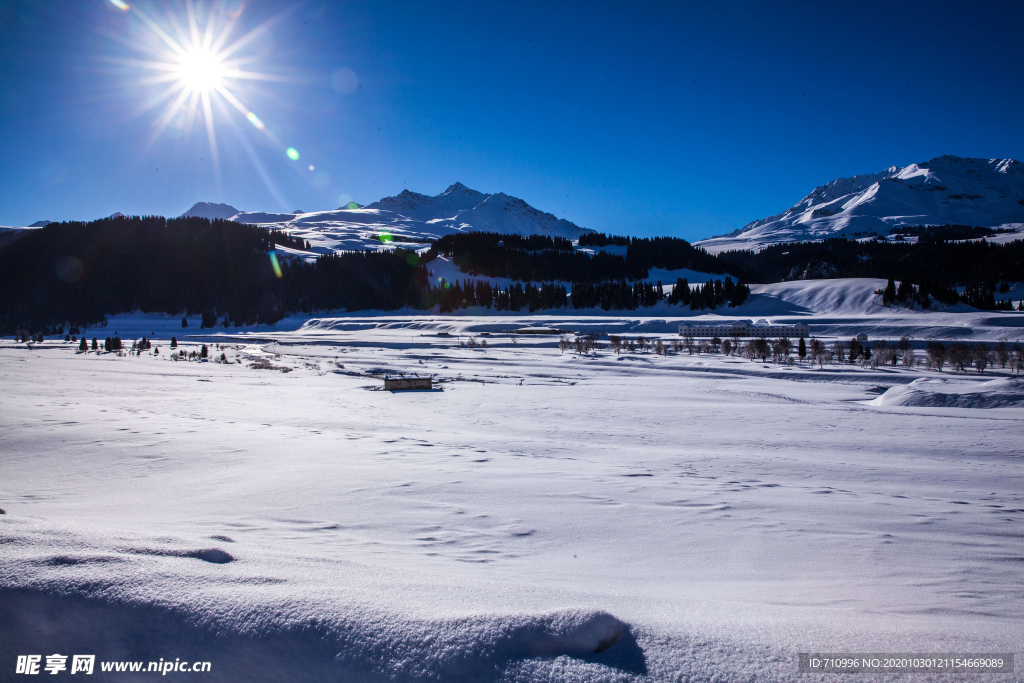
<point x="687" y="119"/>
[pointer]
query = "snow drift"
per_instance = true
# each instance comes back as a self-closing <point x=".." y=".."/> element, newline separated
<point x="1005" y="392"/>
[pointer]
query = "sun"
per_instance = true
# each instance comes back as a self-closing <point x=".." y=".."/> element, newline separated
<point x="201" y="70"/>
<point x="197" y="69"/>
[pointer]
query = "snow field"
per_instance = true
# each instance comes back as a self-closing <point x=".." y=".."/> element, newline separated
<point x="707" y="517"/>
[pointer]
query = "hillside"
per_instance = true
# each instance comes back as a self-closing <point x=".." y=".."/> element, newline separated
<point x="945" y="190"/>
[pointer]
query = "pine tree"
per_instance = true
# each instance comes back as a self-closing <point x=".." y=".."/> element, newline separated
<point x="204" y="352"/>
<point x="903" y="292"/>
<point x="889" y="293"/>
<point x="84" y="346"/>
<point x="174" y="342"/>
<point x="801" y="349"/>
<point x="855" y="350"/>
<point x="95" y="344"/>
<point x="184" y="322"/>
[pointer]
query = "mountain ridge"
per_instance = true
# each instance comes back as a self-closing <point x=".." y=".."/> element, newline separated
<point x="945" y="190"/>
<point x="415" y="219"/>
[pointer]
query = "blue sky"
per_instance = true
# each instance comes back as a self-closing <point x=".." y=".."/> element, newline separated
<point x="686" y="119"/>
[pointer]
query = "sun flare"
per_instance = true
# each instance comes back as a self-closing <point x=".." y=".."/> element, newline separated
<point x="201" y="70"/>
<point x="197" y="69"/>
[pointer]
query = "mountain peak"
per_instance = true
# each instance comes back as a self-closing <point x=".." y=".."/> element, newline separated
<point x="211" y="211"/>
<point x="458" y="208"/>
<point x="945" y="190"/>
<point x="458" y="188"/>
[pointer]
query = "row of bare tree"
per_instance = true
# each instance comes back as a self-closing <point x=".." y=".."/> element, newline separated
<point x="958" y="355"/>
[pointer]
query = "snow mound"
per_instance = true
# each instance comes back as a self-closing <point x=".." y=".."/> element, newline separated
<point x="211" y="211"/>
<point x="841" y="296"/>
<point x="245" y="645"/>
<point x="1007" y="392"/>
<point x="948" y="189"/>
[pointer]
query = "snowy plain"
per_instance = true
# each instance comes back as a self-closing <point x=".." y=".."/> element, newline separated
<point x="540" y="516"/>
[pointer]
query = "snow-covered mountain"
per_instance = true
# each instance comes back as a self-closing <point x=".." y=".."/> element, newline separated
<point x="945" y="190"/>
<point x="415" y="218"/>
<point x="210" y="210"/>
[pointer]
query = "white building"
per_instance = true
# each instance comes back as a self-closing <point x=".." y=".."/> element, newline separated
<point x="745" y="328"/>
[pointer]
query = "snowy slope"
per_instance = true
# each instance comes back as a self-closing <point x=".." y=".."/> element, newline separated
<point x="416" y="217"/>
<point x="841" y="296"/>
<point x="211" y="211"/>
<point x="945" y="190"/>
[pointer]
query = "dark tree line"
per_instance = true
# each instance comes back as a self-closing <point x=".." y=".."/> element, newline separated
<point x="78" y="273"/>
<point x="671" y="253"/>
<point x="506" y="256"/>
<point x="711" y="294"/>
<point x="599" y="239"/>
<point x="936" y="267"/>
<point x="617" y="294"/>
<point x="609" y="294"/>
<point x="539" y="258"/>
<point x="942" y="233"/>
<point x="514" y="297"/>
<point x="468" y="240"/>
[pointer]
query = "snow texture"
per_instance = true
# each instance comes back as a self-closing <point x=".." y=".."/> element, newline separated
<point x="544" y="516"/>
<point x="945" y="190"/>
